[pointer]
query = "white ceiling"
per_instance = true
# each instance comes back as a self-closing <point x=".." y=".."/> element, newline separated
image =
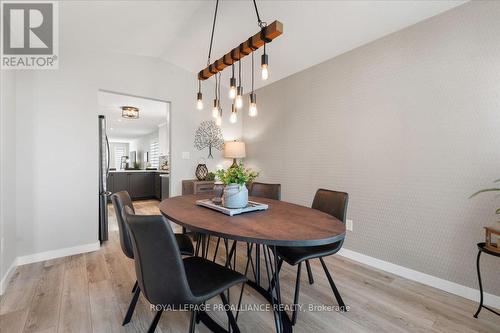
<point x="179" y="31"/>
<point x="152" y="113"/>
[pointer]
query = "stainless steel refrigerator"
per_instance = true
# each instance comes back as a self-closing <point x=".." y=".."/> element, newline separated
<point x="103" y="177"/>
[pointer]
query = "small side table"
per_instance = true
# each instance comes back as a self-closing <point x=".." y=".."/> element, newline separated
<point x="482" y="249"/>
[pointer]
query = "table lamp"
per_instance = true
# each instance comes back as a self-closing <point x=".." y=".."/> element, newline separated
<point x="234" y="149"/>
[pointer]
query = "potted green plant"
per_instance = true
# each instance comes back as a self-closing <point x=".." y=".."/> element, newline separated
<point x="492" y="237"/>
<point x="235" y="180"/>
<point x="492" y="189"/>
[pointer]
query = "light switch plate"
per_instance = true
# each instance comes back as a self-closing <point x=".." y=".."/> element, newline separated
<point x="348" y="225"/>
<point x="185" y="155"/>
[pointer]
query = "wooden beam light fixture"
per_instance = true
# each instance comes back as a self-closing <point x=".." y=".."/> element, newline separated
<point x="266" y="35"/>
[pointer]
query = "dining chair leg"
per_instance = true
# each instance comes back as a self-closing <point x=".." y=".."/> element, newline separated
<point x="296" y="296"/>
<point x="309" y="272"/>
<point x="131" y="307"/>
<point x="155" y="321"/>
<point x="192" y="324"/>
<point x="216" y="249"/>
<point x="197" y="249"/>
<point x="332" y="284"/>
<point x="135" y="286"/>
<point x="230" y="317"/>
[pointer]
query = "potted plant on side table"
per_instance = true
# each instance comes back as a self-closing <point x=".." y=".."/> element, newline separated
<point x="235" y="180"/>
<point x="492" y="237"/>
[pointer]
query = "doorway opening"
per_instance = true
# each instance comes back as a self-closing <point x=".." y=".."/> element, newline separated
<point x="134" y="145"/>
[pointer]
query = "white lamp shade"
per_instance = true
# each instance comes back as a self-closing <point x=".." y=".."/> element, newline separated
<point x="234" y="149"/>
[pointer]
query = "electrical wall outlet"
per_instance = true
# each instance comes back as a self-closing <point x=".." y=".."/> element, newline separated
<point x="348" y="225"/>
<point x="185" y="155"/>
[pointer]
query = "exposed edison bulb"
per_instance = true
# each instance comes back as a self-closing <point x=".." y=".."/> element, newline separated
<point x="238" y="102"/>
<point x="218" y="121"/>
<point x="215" y="109"/>
<point x="233" y="118"/>
<point x="199" y="101"/>
<point x="264" y="72"/>
<point x="232" y="88"/>
<point x="264" y="64"/>
<point x="252" y="110"/>
<point x="232" y="92"/>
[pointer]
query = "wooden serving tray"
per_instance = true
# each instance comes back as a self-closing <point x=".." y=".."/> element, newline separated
<point x="251" y="207"/>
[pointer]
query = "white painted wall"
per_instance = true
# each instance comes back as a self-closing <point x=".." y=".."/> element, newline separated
<point x="8" y="251"/>
<point x="112" y="156"/>
<point x="141" y="146"/>
<point x="163" y="138"/>
<point x="57" y="120"/>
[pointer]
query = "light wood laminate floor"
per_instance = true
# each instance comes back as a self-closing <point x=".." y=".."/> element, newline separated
<point x="91" y="292"/>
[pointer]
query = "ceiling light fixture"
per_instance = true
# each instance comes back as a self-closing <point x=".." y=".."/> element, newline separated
<point x="130" y="112"/>
<point x="233" y="118"/>
<point x="239" y="92"/>
<point x="266" y="35"/>
<point x="232" y="85"/>
<point x="217" y="87"/>
<point x="199" y="97"/>
<point x="215" y="109"/>
<point x="252" y="109"/>
<point x="264" y="64"/>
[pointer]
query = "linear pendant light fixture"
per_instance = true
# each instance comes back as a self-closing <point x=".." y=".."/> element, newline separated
<point x="266" y="35"/>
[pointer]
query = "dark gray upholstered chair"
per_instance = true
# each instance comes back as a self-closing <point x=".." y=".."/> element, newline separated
<point x="335" y="204"/>
<point x="120" y="201"/>
<point x="263" y="190"/>
<point x="167" y="280"/>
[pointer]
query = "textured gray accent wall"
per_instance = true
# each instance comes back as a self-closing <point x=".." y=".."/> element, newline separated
<point x="409" y="126"/>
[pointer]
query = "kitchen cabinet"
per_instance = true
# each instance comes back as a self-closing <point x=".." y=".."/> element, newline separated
<point x="157" y="186"/>
<point x="120" y="182"/>
<point x="139" y="185"/>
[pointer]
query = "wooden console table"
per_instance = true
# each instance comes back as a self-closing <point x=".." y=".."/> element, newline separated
<point x="194" y="186"/>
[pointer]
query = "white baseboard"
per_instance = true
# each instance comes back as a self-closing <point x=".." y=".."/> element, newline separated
<point x="47" y="255"/>
<point x="7" y="276"/>
<point x="42" y="256"/>
<point x="410" y="274"/>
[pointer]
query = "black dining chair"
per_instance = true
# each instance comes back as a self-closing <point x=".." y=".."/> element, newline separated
<point x="167" y="280"/>
<point x="120" y="201"/>
<point x="335" y="204"/>
<point x="264" y="190"/>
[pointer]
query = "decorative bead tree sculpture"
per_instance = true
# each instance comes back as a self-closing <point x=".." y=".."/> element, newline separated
<point x="208" y="135"/>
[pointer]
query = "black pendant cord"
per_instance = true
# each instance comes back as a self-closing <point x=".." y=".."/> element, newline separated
<point x="239" y="72"/>
<point x="232" y="67"/>
<point x="218" y="89"/>
<point x="252" y="71"/>
<point x="260" y="22"/>
<point x="216" y="93"/>
<point x="213" y="29"/>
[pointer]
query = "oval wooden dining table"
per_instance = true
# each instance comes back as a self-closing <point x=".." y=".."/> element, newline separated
<point x="282" y="224"/>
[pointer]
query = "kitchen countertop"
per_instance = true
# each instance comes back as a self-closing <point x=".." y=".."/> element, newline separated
<point x="132" y="171"/>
